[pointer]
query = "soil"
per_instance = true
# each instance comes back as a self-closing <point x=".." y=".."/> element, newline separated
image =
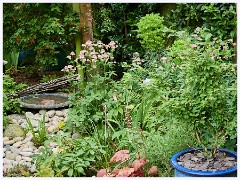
<point x="197" y="161"/>
<point x="29" y="77"/>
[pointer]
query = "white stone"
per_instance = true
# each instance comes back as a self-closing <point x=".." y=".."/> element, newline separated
<point x="59" y="113"/>
<point x="9" y="142"/>
<point x="18" y="144"/>
<point x="21" y="121"/>
<point x="16" y="139"/>
<point x="60" y="132"/>
<point x="65" y="112"/>
<point x="30" y="143"/>
<point x="30" y="115"/>
<point x="7" y="161"/>
<point x="27" y="159"/>
<point x="11" y="156"/>
<point x="28" y="164"/>
<point x="4" y="154"/>
<point x="52" y="144"/>
<point x="55" y="118"/>
<point x="27" y="139"/>
<point x="26" y="154"/>
<point x="51" y="113"/>
<point x="8" y="152"/>
<point x="5" y="138"/>
<point x="18" y="158"/>
<point x="24" y="125"/>
<point x="42" y="111"/>
<point x="27" y="150"/>
<point x="55" y="123"/>
<point x="51" y="128"/>
<point x="15" y="150"/>
<point x="34" y="123"/>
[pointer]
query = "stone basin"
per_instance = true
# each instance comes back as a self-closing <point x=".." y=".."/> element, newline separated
<point x="45" y="101"/>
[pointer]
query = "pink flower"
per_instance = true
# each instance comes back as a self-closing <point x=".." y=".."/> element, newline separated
<point x="69" y="57"/>
<point x="88" y="43"/>
<point x="72" y="54"/>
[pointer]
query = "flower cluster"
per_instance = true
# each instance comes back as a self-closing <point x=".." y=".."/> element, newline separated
<point x="69" y="68"/>
<point x="94" y="52"/>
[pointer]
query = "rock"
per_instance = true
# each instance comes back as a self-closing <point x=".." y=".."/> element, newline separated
<point x="34" y="123"/>
<point x="55" y="123"/>
<point x="65" y="112"/>
<point x="30" y="143"/>
<point x="15" y="150"/>
<point x="51" y="113"/>
<point x="217" y="165"/>
<point x="59" y="113"/>
<point x="14" y="130"/>
<point x="51" y="128"/>
<point x="6" y="168"/>
<point x="11" y="156"/>
<point x="18" y="158"/>
<point x="4" y="154"/>
<point x="28" y="164"/>
<point x="75" y="135"/>
<point x="8" y="152"/>
<point x="27" y="159"/>
<point x="18" y="144"/>
<point x="7" y="147"/>
<point x="21" y="121"/>
<point x="42" y="111"/>
<point x="27" y="150"/>
<point x="4" y="149"/>
<point x="27" y="139"/>
<point x="26" y="154"/>
<point x="15" y="117"/>
<point x="30" y="115"/>
<point x="16" y="139"/>
<point x="33" y="168"/>
<point x="24" y="125"/>
<point x="5" y="139"/>
<point x="9" y="142"/>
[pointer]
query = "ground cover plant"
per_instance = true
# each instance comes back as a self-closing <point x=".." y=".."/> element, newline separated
<point x="177" y="89"/>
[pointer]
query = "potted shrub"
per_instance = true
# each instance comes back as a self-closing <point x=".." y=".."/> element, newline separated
<point x="207" y="101"/>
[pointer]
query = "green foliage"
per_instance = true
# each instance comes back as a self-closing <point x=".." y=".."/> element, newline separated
<point x="72" y="159"/>
<point x="161" y="146"/>
<point x="220" y="18"/>
<point x="10" y="105"/>
<point x="152" y="32"/>
<point x="206" y="97"/>
<point x="12" y="59"/>
<point x="45" y="28"/>
<point x="40" y="136"/>
<point x="46" y="78"/>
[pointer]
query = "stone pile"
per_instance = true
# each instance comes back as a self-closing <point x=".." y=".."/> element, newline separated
<point x="18" y="149"/>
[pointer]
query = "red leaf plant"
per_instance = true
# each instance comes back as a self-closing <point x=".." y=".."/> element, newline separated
<point x="133" y="170"/>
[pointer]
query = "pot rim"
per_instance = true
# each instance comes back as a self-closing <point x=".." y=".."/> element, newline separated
<point x="182" y="169"/>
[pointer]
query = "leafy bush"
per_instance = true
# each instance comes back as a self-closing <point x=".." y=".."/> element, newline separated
<point x="206" y="99"/>
<point x="152" y="32"/>
<point x="45" y="28"/>
<point x="10" y="105"/>
<point x="74" y="158"/>
<point x="220" y="18"/>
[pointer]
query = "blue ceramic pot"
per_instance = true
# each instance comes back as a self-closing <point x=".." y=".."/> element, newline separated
<point x="181" y="171"/>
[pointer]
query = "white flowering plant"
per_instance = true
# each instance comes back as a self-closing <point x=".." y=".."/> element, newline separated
<point x="94" y="59"/>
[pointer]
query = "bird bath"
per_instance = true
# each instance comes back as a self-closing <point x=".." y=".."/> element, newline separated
<point x="45" y="101"/>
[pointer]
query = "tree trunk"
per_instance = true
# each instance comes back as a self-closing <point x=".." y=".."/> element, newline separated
<point x="86" y="22"/>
